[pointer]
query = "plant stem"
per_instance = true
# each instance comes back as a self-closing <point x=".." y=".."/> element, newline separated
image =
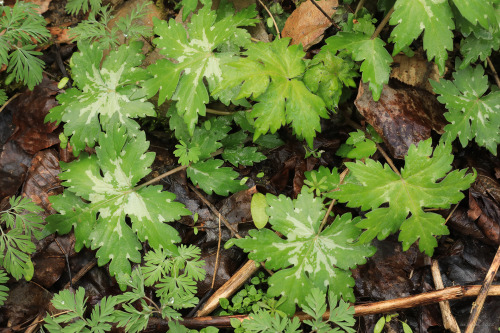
<point x="278" y="34"/>
<point x="325" y="218"/>
<point x="220" y="113"/>
<point x="382" y="24"/>
<point x="495" y="74"/>
<point x="393" y="305"/>
<point x="360" y="5"/>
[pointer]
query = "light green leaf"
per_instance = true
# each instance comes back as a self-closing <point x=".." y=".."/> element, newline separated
<point x="375" y="58"/>
<point x="307" y="256"/>
<point x="411" y="17"/>
<point x="243" y="156"/>
<point x="194" y="57"/>
<point x="3" y="289"/>
<point x="407" y="195"/>
<point x="102" y="92"/>
<point x="258" y="208"/>
<point x="270" y="75"/>
<point x="327" y="74"/>
<point x="107" y="180"/>
<point x="471" y="113"/>
<point x="475" y="11"/>
<point x="212" y="178"/>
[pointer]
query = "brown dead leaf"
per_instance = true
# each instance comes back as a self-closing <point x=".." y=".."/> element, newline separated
<point x="307" y="24"/>
<point x="415" y="71"/>
<point x="42" y="180"/>
<point x="403" y="115"/>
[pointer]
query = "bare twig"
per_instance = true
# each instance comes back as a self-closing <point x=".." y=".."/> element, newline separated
<point x="217" y="256"/>
<point x="215" y="211"/>
<point x="229" y="288"/>
<point x="278" y="34"/>
<point x="81" y="273"/>
<point x="490" y="64"/>
<point x="382" y="24"/>
<point x="394" y="305"/>
<point x="67" y="261"/>
<point x="449" y="321"/>
<point x="478" y="304"/>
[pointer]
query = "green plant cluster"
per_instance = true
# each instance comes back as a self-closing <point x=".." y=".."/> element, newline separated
<point x="111" y="209"/>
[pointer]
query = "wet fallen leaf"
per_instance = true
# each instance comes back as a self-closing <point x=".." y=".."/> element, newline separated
<point x="307" y="24"/>
<point x="14" y="162"/>
<point x="42" y="180"/>
<point x="415" y="71"/>
<point x="403" y="115"/>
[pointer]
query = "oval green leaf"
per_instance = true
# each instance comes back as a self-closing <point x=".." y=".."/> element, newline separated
<point x="258" y="207"/>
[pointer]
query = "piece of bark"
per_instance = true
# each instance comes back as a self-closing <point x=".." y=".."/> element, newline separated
<point x="403" y="115"/>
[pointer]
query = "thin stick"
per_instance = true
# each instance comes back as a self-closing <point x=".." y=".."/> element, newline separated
<point x="229" y="288"/>
<point x="215" y="211"/>
<point x="67" y="260"/>
<point x="382" y="24"/>
<point x="449" y="321"/>
<point x="217" y="256"/>
<point x="394" y="305"/>
<point x="160" y="177"/>
<point x="490" y="64"/>
<point x="81" y="273"/>
<point x="272" y="18"/>
<point x="478" y="304"/>
<point x="8" y="101"/>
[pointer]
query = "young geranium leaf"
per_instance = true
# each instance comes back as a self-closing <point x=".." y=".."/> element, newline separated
<point x="194" y="57"/>
<point x="375" y="58"/>
<point x="475" y="11"/>
<point x="243" y="156"/>
<point x="357" y="146"/>
<point x="212" y="178"/>
<point x="327" y="74"/>
<point x="107" y="180"/>
<point x="472" y="115"/>
<point x="307" y="256"/>
<point x="407" y="195"/>
<point x="479" y="46"/>
<point x="102" y="92"/>
<point x="322" y="181"/>
<point x="271" y="76"/>
<point x="411" y="17"/>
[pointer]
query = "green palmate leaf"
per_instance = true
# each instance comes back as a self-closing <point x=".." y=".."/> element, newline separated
<point x="107" y="181"/>
<point x="413" y="16"/>
<point x="243" y="156"/>
<point x="188" y="6"/>
<point x="475" y="11"/>
<point x="471" y="113"/>
<point x="308" y="257"/>
<point x="271" y="76"/>
<point x="407" y="195"/>
<point x="102" y="92"/>
<point x="357" y="146"/>
<point x="322" y="181"/>
<point x="212" y="178"/>
<point x="375" y="58"/>
<point x="194" y="57"/>
<point x="479" y="46"/>
<point x="327" y="74"/>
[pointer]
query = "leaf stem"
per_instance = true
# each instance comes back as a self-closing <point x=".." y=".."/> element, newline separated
<point x="495" y="74"/>
<point x="382" y="24"/>
<point x="325" y="218"/>
<point x="360" y="5"/>
<point x="278" y="34"/>
<point x="220" y="113"/>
